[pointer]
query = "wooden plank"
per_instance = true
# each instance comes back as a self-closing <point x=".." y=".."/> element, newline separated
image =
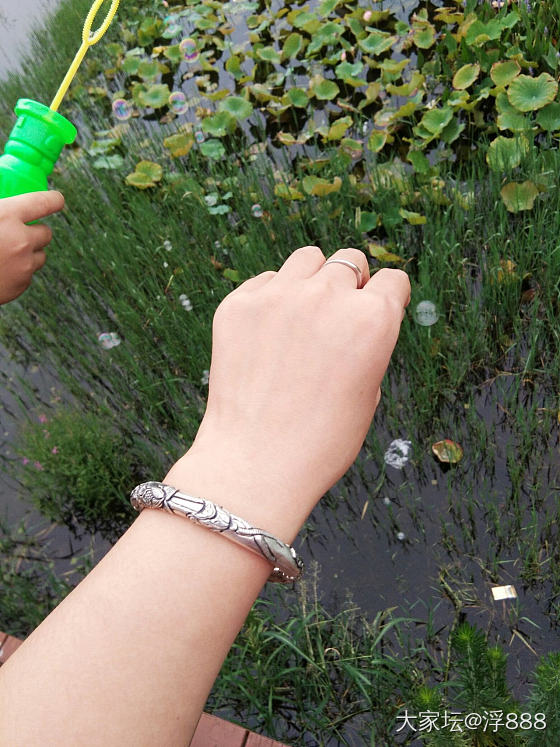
<point x="8" y="644"/>
<point x="214" y="732"/>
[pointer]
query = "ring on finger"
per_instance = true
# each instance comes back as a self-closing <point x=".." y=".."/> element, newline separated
<point x="348" y="264"/>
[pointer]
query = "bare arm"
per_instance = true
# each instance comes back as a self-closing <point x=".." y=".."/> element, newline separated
<point x="130" y="656"/>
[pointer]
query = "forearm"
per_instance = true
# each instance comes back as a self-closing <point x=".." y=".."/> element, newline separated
<point x="170" y="594"/>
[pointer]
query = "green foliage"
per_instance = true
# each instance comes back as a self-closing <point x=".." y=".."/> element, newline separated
<point x="77" y="468"/>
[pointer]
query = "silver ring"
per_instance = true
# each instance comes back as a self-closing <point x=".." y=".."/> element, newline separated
<point x="348" y="264"/>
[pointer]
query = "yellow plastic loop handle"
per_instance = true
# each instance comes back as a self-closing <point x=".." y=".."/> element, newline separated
<point x="88" y="40"/>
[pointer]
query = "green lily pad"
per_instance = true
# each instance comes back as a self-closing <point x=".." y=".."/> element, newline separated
<point x="366" y="221"/>
<point x="338" y="129"/>
<point x="219" y="124"/>
<point x="513" y="120"/>
<point x="415" y="219"/>
<point x="424" y="34"/>
<point x="434" y="120"/>
<point x="448" y="451"/>
<point x="292" y="45"/>
<point x="148" y="69"/>
<point x="518" y="196"/>
<point x="131" y="64"/>
<point x="146" y="174"/>
<point x="173" y="53"/>
<point x="180" y="144"/>
<point x="298" y="97"/>
<point x="269" y="54"/>
<point x="325" y="90"/>
<point x="109" y="162"/>
<point x="377" y="42"/>
<point x="506" y="153"/>
<point x="549" y="117"/>
<point x="212" y="149"/>
<point x="314" y="185"/>
<point x="528" y="94"/>
<point x="419" y="161"/>
<point x="377" y="140"/>
<point x="155" y="96"/>
<point x="382" y="253"/>
<point x="502" y="73"/>
<point x="466" y="76"/>
<point x="237" y="106"/>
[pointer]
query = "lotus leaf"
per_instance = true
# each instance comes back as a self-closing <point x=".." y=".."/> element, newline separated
<point x="180" y="144"/>
<point x="377" y="42"/>
<point x="466" y="76"/>
<point x="519" y="196"/>
<point x="109" y="162"/>
<point x="314" y="185"/>
<point x="148" y="69"/>
<point x="269" y="54"/>
<point x="231" y="274"/>
<point x="155" y="96"/>
<point x="338" y="129"/>
<point x="451" y="131"/>
<point x="512" y="120"/>
<point x="212" y="149"/>
<point x="549" y="117"/>
<point x="415" y="219"/>
<point x="366" y="221"/>
<point x="434" y="120"/>
<point x="423" y="35"/>
<point x="173" y="53"/>
<point x="237" y="106"/>
<point x="529" y="94"/>
<point x="377" y="140"/>
<point x="292" y="45"/>
<point x="287" y="192"/>
<point x="219" y="124"/>
<point x="130" y="65"/>
<point x="298" y="97"/>
<point x="233" y="66"/>
<point x="327" y="7"/>
<point x="502" y="73"/>
<point x="419" y="161"/>
<point x="381" y="253"/>
<point x="504" y="153"/>
<point x="324" y="90"/>
<point x="146" y="174"/>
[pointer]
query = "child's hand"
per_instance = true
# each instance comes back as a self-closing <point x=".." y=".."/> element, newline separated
<point x="21" y="246"/>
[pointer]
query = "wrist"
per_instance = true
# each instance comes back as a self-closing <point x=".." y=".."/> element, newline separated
<point x="251" y="491"/>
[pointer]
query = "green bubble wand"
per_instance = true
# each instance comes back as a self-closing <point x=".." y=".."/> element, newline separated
<point x="40" y="132"/>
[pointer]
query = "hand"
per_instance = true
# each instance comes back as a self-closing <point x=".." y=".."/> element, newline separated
<point x="21" y="246"/>
<point x="297" y="362"/>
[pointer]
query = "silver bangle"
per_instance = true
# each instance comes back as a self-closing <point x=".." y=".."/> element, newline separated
<point x="287" y="566"/>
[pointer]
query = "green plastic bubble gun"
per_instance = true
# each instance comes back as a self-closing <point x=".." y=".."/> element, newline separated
<point x="40" y="132"/>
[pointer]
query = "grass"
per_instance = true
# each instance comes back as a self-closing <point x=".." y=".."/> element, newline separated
<point x="485" y="375"/>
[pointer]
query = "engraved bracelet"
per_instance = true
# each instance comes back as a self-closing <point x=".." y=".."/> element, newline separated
<point x="287" y="567"/>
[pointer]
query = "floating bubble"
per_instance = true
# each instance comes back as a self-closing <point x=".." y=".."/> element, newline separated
<point x="426" y="314"/>
<point x="387" y="501"/>
<point x="401" y="536"/>
<point x="108" y="340"/>
<point x="367" y="15"/>
<point x="257" y="210"/>
<point x="122" y="110"/>
<point x="167" y="245"/>
<point x="178" y="102"/>
<point x="189" y="50"/>
<point x="185" y="302"/>
<point x="398" y="453"/>
<point x="205" y="377"/>
<point x="199" y="136"/>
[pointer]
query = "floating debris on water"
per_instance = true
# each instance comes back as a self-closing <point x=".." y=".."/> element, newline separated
<point x="448" y="451"/>
<point x="425" y="314"/>
<point x="108" y="340"/>
<point x="398" y="453"/>
<point x="504" y="592"/>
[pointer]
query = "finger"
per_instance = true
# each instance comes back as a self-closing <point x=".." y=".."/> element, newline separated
<point x="391" y="283"/>
<point x="258" y="281"/>
<point x="33" y="205"/>
<point x="39" y="259"/>
<point x="38" y="236"/>
<point x="342" y="267"/>
<point x="301" y="264"/>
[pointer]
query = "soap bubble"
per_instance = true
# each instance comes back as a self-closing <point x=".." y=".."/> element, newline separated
<point x="122" y="109"/>
<point x="189" y="50"/>
<point x="178" y="102"/>
<point x="199" y="136"/>
<point x="401" y="536"/>
<point x="167" y="245"/>
<point x="257" y="210"/>
<point x="205" y="377"/>
<point x="185" y="302"/>
<point x="426" y="314"/>
<point x="387" y="501"/>
<point x="108" y="340"/>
